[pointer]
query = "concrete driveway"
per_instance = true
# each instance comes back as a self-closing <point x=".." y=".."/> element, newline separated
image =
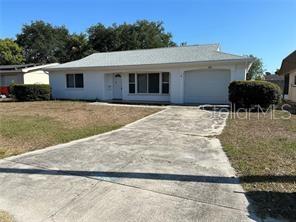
<point x="161" y="168"/>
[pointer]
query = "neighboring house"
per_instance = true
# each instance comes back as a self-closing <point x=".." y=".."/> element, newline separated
<point x="22" y="74"/>
<point x="187" y="74"/>
<point x="276" y="79"/>
<point x="288" y="69"/>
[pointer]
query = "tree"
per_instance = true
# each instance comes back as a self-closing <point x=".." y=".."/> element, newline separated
<point x="277" y="72"/>
<point x="42" y="42"/>
<point x="10" y="53"/>
<point x="140" y="35"/>
<point x="152" y="35"/>
<point x="101" y="38"/>
<point x="76" y="47"/>
<point x="256" y="71"/>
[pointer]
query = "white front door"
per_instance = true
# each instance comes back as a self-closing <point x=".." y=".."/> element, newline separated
<point x="117" y="86"/>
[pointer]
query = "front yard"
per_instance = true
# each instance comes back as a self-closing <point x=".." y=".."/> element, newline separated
<point x="27" y="126"/>
<point x="263" y="152"/>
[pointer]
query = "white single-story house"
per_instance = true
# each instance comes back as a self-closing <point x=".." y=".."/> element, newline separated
<point x="22" y="74"/>
<point x="179" y="75"/>
<point x="288" y="69"/>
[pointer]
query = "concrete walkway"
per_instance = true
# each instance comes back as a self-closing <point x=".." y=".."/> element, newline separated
<point x="161" y="168"/>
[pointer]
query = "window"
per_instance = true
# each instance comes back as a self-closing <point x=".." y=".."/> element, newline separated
<point x="132" y="83"/>
<point x="70" y="80"/>
<point x="142" y="83"/>
<point x="79" y="80"/>
<point x="74" y="80"/>
<point x="149" y="83"/>
<point x="153" y="82"/>
<point x="165" y="82"/>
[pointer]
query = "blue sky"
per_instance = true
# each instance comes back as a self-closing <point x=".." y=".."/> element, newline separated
<point x="264" y="28"/>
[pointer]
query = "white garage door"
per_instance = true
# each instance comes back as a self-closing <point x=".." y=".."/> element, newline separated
<point x="206" y="86"/>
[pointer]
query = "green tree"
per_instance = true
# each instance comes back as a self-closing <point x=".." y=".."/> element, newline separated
<point x="277" y="72"/>
<point x="256" y="71"/>
<point x="10" y="53"/>
<point x="42" y="42"/>
<point x="76" y="47"/>
<point x="139" y="35"/>
<point x="101" y="38"/>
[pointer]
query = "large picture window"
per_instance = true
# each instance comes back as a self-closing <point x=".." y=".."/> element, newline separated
<point x="154" y="83"/>
<point x="74" y="80"/>
<point x="142" y="82"/>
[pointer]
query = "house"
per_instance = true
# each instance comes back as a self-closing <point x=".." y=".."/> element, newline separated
<point x="288" y="69"/>
<point x="276" y="79"/>
<point x="22" y="74"/>
<point x="187" y="74"/>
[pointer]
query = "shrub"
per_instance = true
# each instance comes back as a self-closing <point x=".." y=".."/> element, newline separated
<point x="249" y="94"/>
<point x="31" y="92"/>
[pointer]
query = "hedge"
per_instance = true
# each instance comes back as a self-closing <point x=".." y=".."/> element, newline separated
<point x="249" y="94"/>
<point x="31" y="92"/>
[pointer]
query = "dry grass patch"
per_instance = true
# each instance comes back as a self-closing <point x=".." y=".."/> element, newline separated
<point x="263" y="152"/>
<point x="26" y="126"/>
<point x="5" y="217"/>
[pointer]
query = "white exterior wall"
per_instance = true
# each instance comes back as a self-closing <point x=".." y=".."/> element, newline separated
<point x="99" y="84"/>
<point x="36" y="77"/>
<point x="93" y="86"/>
<point x="292" y="87"/>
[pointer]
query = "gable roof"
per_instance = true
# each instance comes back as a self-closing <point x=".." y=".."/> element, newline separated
<point x="170" y="55"/>
<point x="288" y="64"/>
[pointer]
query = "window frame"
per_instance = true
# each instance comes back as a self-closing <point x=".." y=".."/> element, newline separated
<point x="74" y="80"/>
<point x="147" y="92"/>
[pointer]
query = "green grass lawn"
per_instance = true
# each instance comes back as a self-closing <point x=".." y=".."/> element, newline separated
<point x="263" y="152"/>
<point x="27" y="126"/>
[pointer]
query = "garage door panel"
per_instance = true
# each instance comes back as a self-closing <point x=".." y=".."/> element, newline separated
<point x="206" y="86"/>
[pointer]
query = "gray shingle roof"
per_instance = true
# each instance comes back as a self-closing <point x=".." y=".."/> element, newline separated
<point x="183" y="54"/>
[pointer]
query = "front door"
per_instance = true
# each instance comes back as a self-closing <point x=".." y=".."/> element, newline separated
<point x="117" y="86"/>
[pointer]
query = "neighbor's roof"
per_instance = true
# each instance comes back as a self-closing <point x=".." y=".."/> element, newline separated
<point x="16" y="67"/>
<point x="274" y="77"/>
<point x="288" y="64"/>
<point x="24" y="68"/>
<point x="170" y="55"/>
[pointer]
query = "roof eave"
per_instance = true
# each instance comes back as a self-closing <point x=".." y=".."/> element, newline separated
<point x="8" y="72"/>
<point x="240" y="60"/>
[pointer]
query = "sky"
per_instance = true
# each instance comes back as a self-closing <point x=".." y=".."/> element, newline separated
<point x="264" y="28"/>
